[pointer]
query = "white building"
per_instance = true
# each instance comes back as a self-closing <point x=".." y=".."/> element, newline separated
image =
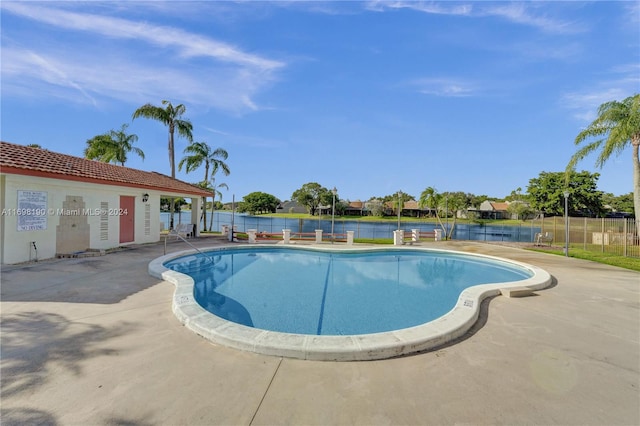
<point x="57" y="204"/>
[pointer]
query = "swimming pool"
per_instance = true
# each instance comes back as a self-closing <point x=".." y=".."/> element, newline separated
<point x="336" y="293"/>
<point x="313" y="303"/>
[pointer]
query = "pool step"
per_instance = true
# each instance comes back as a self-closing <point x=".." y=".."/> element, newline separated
<point x="516" y="291"/>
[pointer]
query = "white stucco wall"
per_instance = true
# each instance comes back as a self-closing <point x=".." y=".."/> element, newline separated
<point x="16" y="245"/>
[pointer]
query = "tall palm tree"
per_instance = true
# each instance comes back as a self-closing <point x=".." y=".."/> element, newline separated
<point x="216" y="191"/>
<point x="429" y="198"/>
<point x="112" y="147"/>
<point x="170" y="116"/>
<point x="203" y="215"/>
<point x="201" y="153"/>
<point x="618" y="123"/>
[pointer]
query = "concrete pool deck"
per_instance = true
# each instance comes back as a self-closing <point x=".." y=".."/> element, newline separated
<point x="93" y="341"/>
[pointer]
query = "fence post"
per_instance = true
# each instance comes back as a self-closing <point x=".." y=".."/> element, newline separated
<point x="624" y="237"/>
<point x="398" y="237"/>
<point x="602" y="231"/>
<point x="584" y="237"/>
<point x="349" y="238"/>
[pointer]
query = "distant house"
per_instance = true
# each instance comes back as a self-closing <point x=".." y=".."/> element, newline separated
<point x="494" y="210"/>
<point x="356" y="208"/>
<point x="291" y="207"/>
<point x="410" y="208"/>
<point x="57" y="204"/>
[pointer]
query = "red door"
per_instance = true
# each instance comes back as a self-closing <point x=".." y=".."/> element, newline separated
<point x="127" y="215"/>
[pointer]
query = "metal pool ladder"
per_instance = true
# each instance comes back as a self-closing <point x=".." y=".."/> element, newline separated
<point x="175" y="233"/>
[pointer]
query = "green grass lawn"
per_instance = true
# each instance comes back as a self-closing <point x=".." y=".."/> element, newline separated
<point x="606" y="258"/>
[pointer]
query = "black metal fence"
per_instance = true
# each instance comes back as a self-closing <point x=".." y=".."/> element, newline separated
<point x="619" y="236"/>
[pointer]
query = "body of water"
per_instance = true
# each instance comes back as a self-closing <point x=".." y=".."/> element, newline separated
<point x="369" y="230"/>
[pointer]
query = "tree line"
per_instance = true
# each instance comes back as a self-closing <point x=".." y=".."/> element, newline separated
<point x="545" y="195"/>
<point x="616" y="127"/>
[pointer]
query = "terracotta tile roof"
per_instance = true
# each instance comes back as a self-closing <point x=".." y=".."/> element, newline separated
<point x="499" y="206"/>
<point x="408" y="205"/>
<point x="19" y="159"/>
<point x="411" y="205"/>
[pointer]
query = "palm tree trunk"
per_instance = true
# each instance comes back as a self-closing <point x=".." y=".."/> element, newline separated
<point x="444" y="229"/>
<point x="635" y="144"/>
<point x="172" y="163"/>
<point x="453" y="226"/>
<point x="204" y="214"/>
<point x="212" y="210"/>
<point x="204" y="199"/>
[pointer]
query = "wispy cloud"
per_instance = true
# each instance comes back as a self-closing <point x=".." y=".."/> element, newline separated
<point x="623" y="81"/>
<point x="216" y="131"/>
<point x="200" y="69"/>
<point x="445" y="87"/>
<point x="585" y="104"/>
<point x="519" y="13"/>
<point x="54" y="73"/>
<point x="30" y="64"/>
<point x="632" y="14"/>
<point x="438" y="8"/>
<point x="187" y="44"/>
<point x="246" y="140"/>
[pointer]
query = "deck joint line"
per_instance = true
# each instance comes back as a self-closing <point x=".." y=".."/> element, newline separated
<point x="265" y="392"/>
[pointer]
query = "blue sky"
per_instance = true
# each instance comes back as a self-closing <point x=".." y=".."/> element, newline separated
<point x="369" y="97"/>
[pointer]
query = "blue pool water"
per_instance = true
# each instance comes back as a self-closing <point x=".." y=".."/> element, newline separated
<point x="336" y="293"/>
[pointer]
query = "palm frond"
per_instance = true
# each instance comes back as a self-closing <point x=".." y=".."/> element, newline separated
<point x="618" y="122"/>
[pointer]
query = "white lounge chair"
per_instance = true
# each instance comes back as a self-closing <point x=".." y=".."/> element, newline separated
<point x="184" y="229"/>
<point x="544" y="238"/>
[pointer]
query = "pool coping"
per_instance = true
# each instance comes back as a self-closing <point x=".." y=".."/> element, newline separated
<point x="446" y="328"/>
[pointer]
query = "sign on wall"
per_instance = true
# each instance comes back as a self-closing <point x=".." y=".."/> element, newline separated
<point x="32" y="210"/>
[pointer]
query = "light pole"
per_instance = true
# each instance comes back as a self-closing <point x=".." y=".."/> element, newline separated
<point x="399" y="207"/>
<point x="333" y="210"/>
<point x="446" y="213"/>
<point x="566" y="222"/>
